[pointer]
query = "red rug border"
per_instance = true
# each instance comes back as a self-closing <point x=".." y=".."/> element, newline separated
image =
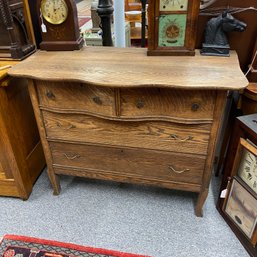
<point x="70" y="245"/>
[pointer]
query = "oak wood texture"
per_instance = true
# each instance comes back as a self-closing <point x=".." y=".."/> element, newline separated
<point x="119" y="115"/>
<point x="141" y="164"/>
<point x="21" y="153"/>
<point x="156" y="135"/>
<point x="3" y="70"/>
<point x="129" y="67"/>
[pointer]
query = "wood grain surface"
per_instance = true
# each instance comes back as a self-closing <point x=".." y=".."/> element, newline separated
<point x="146" y="164"/>
<point x="21" y="154"/>
<point x="131" y="67"/>
<point x="141" y="134"/>
<point x="3" y="70"/>
<point x="163" y="102"/>
<point x="77" y="97"/>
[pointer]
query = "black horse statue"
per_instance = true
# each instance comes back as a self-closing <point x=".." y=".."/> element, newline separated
<point x="216" y="42"/>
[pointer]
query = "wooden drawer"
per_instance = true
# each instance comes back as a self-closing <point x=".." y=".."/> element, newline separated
<point x="156" y="135"/>
<point x="76" y="97"/>
<point x="161" y="103"/>
<point x="139" y="163"/>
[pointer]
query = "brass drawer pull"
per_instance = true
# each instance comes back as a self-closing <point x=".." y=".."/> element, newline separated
<point x="140" y="104"/>
<point x="65" y="128"/>
<point x="181" y="139"/>
<point x="71" y="157"/>
<point x="178" y="171"/>
<point x="97" y="100"/>
<point x="50" y="95"/>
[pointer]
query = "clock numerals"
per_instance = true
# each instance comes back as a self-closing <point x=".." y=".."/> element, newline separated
<point x="249" y="176"/>
<point x="248" y="169"/>
<point x="173" y="5"/>
<point x="54" y="12"/>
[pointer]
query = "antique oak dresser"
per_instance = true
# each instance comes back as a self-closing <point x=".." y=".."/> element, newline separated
<point x="118" y="114"/>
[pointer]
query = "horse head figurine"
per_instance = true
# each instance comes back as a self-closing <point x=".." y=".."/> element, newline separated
<point x="216" y="42"/>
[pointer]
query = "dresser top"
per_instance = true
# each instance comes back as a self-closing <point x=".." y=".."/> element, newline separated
<point x="131" y="67"/>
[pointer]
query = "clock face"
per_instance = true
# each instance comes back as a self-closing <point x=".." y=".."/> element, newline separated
<point x="172" y="29"/>
<point x="248" y="169"/>
<point x="173" y="5"/>
<point x="54" y="11"/>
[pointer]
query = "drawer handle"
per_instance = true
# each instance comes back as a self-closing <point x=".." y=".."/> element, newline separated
<point x="72" y="157"/>
<point x="50" y="95"/>
<point x="195" y="107"/>
<point x="65" y="128"/>
<point x="140" y="104"/>
<point x="181" y="139"/>
<point x="97" y="100"/>
<point x="178" y="171"/>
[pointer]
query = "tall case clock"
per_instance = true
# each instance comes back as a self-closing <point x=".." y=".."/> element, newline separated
<point x="172" y="27"/>
<point x="58" y="21"/>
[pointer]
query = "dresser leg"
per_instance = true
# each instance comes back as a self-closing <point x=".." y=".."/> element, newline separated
<point x="54" y="181"/>
<point x="200" y="202"/>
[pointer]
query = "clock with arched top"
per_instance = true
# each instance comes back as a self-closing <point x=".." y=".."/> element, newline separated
<point x="172" y="27"/>
<point x="59" y="26"/>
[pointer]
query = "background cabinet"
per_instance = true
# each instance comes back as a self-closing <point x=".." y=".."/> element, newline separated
<point x="21" y="154"/>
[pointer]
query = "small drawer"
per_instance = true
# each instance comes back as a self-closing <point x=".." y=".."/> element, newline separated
<point x="156" y="135"/>
<point x="128" y="162"/>
<point x="167" y="103"/>
<point x="76" y="97"/>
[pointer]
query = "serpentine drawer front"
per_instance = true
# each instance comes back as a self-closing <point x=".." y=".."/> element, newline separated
<point x="118" y="114"/>
<point x="163" y="102"/>
<point x="157" y="135"/>
<point x="76" y="98"/>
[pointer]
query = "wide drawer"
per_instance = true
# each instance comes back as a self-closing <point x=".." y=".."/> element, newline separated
<point x="156" y="135"/>
<point x="139" y="163"/>
<point x="169" y="103"/>
<point x="76" y="97"/>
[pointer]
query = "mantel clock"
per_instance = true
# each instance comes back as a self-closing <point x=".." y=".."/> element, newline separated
<point x="172" y="27"/>
<point x="58" y="21"/>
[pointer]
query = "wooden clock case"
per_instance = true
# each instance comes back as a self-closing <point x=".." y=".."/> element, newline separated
<point x="190" y="30"/>
<point x="62" y="37"/>
<point x="14" y="41"/>
<point x="244" y="127"/>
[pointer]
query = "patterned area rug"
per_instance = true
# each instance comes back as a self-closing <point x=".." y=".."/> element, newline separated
<point x="83" y="20"/>
<point x="21" y="246"/>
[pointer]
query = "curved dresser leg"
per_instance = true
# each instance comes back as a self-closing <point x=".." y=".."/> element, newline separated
<point x="54" y="182"/>
<point x="200" y="202"/>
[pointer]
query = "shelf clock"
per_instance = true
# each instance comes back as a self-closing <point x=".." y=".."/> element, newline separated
<point x="239" y="208"/>
<point x="58" y="21"/>
<point x="172" y="27"/>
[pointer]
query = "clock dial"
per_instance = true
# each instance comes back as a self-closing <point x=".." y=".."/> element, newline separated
<point x="172" y="30"/>
<point x="173" y="5"/>
<point x="248" y="169"/>
<point x="54" y="11"/>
